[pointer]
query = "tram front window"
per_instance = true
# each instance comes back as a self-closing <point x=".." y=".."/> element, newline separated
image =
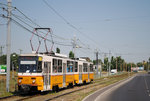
<point x="30" y="67"/>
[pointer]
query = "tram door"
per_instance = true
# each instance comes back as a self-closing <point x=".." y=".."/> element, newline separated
<point x="64" y="74"/>
<point x="80" y="73"/>
<point x="47" y="71"/>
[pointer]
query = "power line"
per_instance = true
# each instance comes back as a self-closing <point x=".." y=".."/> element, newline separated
<point x="2" y="24"/>
<point x="29" y="19"/>
<point x="35" y="33"/>
<point x="26" y="17"/>
<point x="22" y="21"/>
<point x="39" y="35"/>
<point x="4" y="4"/>
<point x="58" y="43"/>
<point x="36" y="23"/>
<point x="67" y="22"/>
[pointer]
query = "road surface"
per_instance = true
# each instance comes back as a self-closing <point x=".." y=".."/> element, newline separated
<point x="133" y="89"/>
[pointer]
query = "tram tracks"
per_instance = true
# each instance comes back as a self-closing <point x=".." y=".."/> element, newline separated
<point x="63" y="92"/>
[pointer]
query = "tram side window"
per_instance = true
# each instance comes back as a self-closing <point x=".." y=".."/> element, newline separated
<point x="76" y="66"/>
<point x="59" y="65"/>
<point x="69" y="66"/>
<point x="85" y="68"/>
<point x="91" y="68"/>
<point x="39" y="68"/>
<point x="54" y="66"/>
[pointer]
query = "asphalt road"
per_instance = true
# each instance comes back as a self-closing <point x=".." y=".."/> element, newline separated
<point x="134" y="89"/>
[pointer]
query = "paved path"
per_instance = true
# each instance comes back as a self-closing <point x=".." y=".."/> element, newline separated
<point x="134" y="89"/>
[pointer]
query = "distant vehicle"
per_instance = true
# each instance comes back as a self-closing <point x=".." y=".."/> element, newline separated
<point x="135" y="71"/>
<point x="148" y="72"/>
<point x="113" y="71"/>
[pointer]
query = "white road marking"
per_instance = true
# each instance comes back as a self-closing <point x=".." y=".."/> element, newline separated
<point x="146" y="86"/>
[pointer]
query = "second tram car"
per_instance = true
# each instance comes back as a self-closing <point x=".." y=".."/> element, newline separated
<point x="43" y="72"/>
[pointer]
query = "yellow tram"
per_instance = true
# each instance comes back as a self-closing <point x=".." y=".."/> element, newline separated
<point x="43" y="72"/>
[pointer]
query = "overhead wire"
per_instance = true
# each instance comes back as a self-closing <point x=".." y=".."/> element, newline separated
<point x="68" y="23"/>
<point x="33" y="27"/>
<point x="21" y="20"/>
<point x="16" y="22"/>
<point x="29" y="19"/>
<point x="3" y="4"/>
<point x="37" y="24"/>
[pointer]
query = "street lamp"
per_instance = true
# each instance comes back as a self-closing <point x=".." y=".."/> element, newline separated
<point x="148" y="63"/>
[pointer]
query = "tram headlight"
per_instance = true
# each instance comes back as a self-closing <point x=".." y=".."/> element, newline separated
<point x="20" y="81"/>
<point x="33" y="81"/>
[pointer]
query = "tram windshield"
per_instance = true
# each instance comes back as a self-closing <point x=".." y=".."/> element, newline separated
<point x="30" y="65"/>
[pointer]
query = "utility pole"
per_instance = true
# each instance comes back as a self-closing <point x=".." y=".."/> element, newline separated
<point x="8" y="44"/>
<point x="74" y="43"/>
<point x="20" y="50"/>
<point x="74" y="46"/>
<point x="148" y="63"/>
<point x="116" y="63"/>
<point x="131" y="66"/>
<point x="97" y="63"/>
<point x="105" y="56"/>
<point x="1" y="50"/>
<point x="126" y="66"/>
<point x="109" y="61"/>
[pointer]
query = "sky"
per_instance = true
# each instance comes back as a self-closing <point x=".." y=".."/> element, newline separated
<point x="119" y="26"/>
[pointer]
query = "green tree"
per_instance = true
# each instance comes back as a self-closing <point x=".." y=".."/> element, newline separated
<point x="145" y="63"/>
<point x="113" y="63"/>
<point x="133" y="65"/>
<point x="3" y="60"/>
<point x="71" y="54"/>
<point x="13" y="61"/>
<point x="129" y="67"/>
<point x="120" y="63"/>
<point x="57" y="50"/>
<point x="139" y="64"/>
<point x="94" y="62"/>
<point x="99" y="62"/>
<point x="106" y="64"/>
